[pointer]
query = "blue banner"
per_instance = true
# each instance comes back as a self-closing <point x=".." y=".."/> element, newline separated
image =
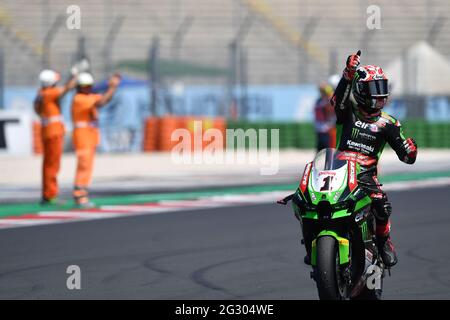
<point x="122" y="120"/>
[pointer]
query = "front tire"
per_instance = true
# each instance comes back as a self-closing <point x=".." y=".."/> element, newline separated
<point x="326" y="268"/>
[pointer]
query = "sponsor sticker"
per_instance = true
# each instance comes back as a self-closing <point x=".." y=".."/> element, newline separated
<point x="304" y="182"/>
<point x="327" y="173"/>
<point x="352" y="183"/>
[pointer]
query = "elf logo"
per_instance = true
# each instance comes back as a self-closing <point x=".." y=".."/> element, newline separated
<point x="361" y="124"/>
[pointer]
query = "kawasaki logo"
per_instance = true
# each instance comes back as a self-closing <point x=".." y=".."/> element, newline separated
<point x="360" y="146"/>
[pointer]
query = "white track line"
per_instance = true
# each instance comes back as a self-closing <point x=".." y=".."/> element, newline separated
<point x="78" y="214"/>
<point x="137" y="209"/>
<point x="24" y="222"/>
<point x="164" y="206"/>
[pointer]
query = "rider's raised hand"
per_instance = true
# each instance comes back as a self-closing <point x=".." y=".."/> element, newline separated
<point x="351" y="65"/>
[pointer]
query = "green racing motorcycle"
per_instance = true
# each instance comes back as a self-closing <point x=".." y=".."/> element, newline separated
<point x="338" y="227"/>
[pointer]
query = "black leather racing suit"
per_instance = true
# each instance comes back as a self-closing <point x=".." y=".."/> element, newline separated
<point x="366" y="141"/>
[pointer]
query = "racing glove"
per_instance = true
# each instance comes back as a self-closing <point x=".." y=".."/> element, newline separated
<point x="410" y="147"/>
<point x="351" y="66"/>
<point x="81" y="66"/>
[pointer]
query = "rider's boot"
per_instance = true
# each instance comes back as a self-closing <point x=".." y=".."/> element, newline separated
<point x="385" y="245"/>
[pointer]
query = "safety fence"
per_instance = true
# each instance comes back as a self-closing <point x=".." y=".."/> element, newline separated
<point x="291" y="135"/>
<point x="302" y="135"/>
<point x="158" y="133"/>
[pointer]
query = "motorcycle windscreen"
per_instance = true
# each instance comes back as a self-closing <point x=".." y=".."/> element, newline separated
<point x="328" y="159"/>
<point x="329" y="173"/>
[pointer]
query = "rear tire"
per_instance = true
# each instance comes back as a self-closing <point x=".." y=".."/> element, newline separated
<point x="325" y="271"/>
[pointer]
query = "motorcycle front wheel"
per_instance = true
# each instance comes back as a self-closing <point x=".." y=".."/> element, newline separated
<point x="327" y="270"/>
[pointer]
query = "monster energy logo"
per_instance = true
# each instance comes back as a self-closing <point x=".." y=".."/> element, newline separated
<point x="355" y="132"/>
<point x="364" y="230"/>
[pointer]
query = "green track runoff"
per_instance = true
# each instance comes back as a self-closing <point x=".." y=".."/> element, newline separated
<point x="29" y="208"/>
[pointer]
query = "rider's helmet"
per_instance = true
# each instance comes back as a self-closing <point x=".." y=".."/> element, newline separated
<point x="369" y="92"/>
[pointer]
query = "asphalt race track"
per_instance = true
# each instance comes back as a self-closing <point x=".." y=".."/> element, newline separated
<point x="250" y="252"/>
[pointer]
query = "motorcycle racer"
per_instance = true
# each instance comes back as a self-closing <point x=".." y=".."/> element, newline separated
<point x="363" y="130"/>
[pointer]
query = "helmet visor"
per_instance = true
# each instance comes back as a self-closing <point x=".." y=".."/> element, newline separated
<point x="375" y="88"/>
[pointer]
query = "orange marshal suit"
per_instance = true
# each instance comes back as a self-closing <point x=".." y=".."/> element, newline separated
<point x="85" y="138"/>
<point x="52" y="138"/>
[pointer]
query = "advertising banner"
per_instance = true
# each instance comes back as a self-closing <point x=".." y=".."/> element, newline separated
<point x="15" y="132"/>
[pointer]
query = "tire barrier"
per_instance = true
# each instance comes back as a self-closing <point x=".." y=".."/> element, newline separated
<point x="158" y="131"/>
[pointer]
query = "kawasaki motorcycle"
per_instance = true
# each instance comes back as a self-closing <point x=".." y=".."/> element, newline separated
<point x="338" y="227"/>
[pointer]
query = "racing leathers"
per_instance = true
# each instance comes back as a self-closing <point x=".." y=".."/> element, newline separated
<point x="365" y="141"/>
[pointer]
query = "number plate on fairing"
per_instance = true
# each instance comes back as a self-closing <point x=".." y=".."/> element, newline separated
<point x="329" y="180"/>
